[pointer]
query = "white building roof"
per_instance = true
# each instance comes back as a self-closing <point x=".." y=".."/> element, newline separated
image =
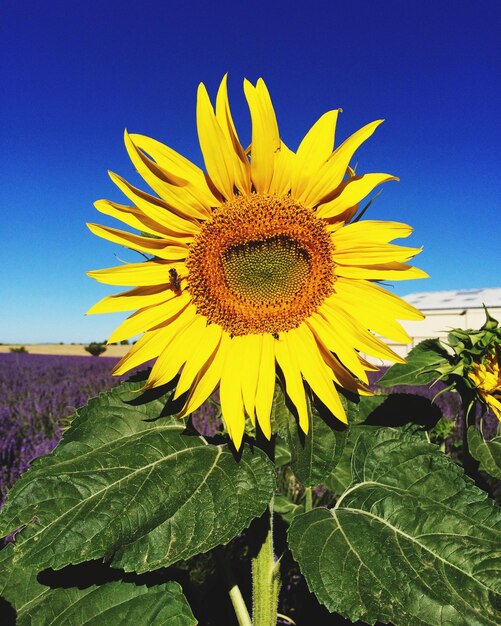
<point x="464" y="299"/>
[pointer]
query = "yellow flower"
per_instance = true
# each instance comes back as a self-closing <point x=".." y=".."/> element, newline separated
<point x="487" y="379"/>
<point x="255" y="264"/>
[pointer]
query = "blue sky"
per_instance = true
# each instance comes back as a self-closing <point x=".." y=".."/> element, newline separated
<point x="75" y="75"/>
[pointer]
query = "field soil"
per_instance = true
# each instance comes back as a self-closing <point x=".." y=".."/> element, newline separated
<point x="65" y="349"/>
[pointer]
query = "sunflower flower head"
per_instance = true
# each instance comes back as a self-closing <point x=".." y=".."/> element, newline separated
<point x="487" y="379"/>
<point x="479" y="353"/>
<point x="258" y="266"/>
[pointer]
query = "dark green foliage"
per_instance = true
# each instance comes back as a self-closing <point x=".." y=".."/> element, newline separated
<point x="107" y="604"/>
<point x="314" y="456"/>
<point x="411" y="542"/>
<point x="95" y="348"/>
<point x="19" y="350"/>
<point x="423" y="363"/>
<point x="393" y="531"/>
<point x="488" y="453"/>
<point x="127" y="484"/>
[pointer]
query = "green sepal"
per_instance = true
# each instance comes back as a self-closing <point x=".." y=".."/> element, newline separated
<point x="474" y="345"/>
<point x="490" y="323"/>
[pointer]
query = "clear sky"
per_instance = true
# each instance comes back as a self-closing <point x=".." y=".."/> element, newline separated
<point x="76" y="74"/>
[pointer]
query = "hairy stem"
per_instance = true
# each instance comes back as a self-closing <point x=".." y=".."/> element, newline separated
<point x="265" y="579"/>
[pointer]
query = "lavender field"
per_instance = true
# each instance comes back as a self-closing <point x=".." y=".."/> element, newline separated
<point x="37" y="394"/>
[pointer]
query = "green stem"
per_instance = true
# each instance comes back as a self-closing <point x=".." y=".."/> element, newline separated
<point x="234" y="592"/>
<point x="239" y="606"/>
<point x="265" y="580"/>
<point x="308" y="502"/>
<point x="469" y="463"/>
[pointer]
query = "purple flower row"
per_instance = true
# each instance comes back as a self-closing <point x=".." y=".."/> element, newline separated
<point x="37" y="393"/>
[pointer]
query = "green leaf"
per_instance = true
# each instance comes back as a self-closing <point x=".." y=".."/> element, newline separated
<point x="412" y="542"/>
<point x="488" y="453"/>
<point x="315" y="455"/>
<point x="104" y="605"/>
<point x="127" y="484"/>
<point x="286" y="508"/>
<point x="423" y="363"/>
<point x="341" y="478"/>
<point x="282" y="453"/>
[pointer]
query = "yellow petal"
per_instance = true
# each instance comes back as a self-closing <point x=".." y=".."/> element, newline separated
<point x="138" y="298"/>
<point x="174" y="163"/>
<point x="341" y="375"/>
<point x="346" y="216"/>
<point x="336" y="342"/>
<point x="151" y="316"/>
<point x="162" y="248"/>
<point x="156" y="209"/>
<point x="383" y="271"/>
<point x="265" y="136"/>
<point x="266" y="385"/>
<point x="230" y="392"/>
<point x="175" y="195"/>
<point x="379" y="321"/>
<point x="146" y="348"/>
<point x="360" y="337"/>
<point x="284" y="163"/>
<point x="314" y="369"/>
<point x="177" y="351"/>
<point x="140" y="274"/>
<point x="293" y="381"/>
<point x="313" y="152"/>
<point x="131" y="216"/>
<point x="156" y="175"/>
<point x="331" y="174"/>
<point x="153" y="342"/>
<point x="372" y="254"/>
<point x="370" y="231"/>
<point x="208" y="378"/>
<point x="251" y="348"/>
<point x="374" y="307"/>
<point x="241" y="165"/>
<point x="216" y="150"/>
<point x="379" y="298"/>
<point x="198" y="359"/>
<point x="353" y="191"/>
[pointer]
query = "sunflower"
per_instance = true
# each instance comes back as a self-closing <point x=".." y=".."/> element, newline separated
<point x="486" y="377"/>
<point x="257" y="266"/>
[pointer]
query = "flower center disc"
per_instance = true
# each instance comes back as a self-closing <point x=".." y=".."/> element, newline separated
<point x="261" y="264"/>
<point x="265" y="271"/>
